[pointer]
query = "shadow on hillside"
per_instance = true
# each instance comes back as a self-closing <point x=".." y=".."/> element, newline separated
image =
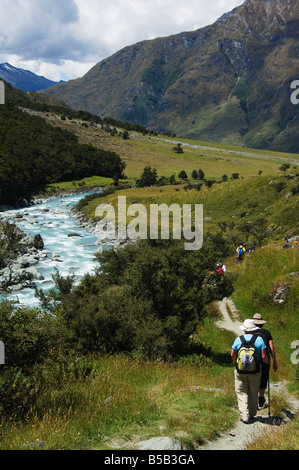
<point x="223" y="359"/>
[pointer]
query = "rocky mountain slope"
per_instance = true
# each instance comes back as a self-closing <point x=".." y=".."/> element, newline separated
<point x="24" y="79"/>
<point x="228" y="82"/>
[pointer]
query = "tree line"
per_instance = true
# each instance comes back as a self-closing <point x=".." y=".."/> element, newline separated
<point x="33" y="154"/>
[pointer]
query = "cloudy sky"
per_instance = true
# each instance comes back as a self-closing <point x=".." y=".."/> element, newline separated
<point x="63" y="39"/>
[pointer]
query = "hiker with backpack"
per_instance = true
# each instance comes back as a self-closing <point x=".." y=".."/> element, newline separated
<point x="240" y="251"/>
<point x="219" y="271"/>
<point x="265" y="368"/>
<point x="247" y="353"/>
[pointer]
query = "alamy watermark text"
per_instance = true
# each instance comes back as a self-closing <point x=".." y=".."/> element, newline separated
<point x="295" y="94"/>
<point x="2" y="353"/>
<point x="2" y="92"/>
<point x="146" y="223"/>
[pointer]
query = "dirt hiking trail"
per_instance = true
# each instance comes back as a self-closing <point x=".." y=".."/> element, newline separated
<point x="263" y="424"/>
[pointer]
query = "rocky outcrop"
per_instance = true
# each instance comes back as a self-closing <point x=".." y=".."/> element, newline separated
<point x="280" y="293"/>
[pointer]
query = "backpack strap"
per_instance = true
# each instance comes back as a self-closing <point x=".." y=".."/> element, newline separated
<point x="242" y="339"/>
<point x="254" y="336"/>
<point x="250" y="341"/>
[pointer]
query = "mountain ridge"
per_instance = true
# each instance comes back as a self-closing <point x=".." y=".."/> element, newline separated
<point x="24" y="80"/>
<point x="227" y="82"/>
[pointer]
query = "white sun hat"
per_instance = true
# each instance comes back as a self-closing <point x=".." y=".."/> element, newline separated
<point x="249" y="325"/>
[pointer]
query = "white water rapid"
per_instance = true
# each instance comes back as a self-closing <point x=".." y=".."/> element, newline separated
<point x="69" y="247"/>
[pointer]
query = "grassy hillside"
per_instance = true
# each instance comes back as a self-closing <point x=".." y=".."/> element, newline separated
<point x="231" y="207"/>
<point x="140" y="150"/>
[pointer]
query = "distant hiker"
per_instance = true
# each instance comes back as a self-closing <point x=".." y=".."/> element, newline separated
<point x="247" y="352"/>
<point x="265" y="368"/>
<point x="219" y="269"/>
<point x="286" y="245"/>
<point x="240" y="251"/>
<point x="252" y="248"/>
<point x="295" y="244"/>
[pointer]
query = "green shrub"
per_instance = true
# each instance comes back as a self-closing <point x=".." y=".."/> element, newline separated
<point x="280" y="186"/>
<point x="29" y="336"/>
<point x="295" y="189"/>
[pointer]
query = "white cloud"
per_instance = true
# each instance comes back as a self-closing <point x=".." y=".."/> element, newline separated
<point x="65" y="38"/>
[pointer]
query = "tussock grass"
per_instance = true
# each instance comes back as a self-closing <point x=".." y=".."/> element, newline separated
<point x="282" y="438"/>
<point x="123" y="400"/>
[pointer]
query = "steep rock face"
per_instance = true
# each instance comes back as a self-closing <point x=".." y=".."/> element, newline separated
<point x="228" y="82"/>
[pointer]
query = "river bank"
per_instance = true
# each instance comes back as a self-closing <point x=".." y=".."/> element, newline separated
<point x="41" y="198"/>
<point x="69" y="245"/>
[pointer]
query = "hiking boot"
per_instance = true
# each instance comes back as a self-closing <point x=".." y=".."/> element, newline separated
<point x="262" y="402"/>
<point x="247" y="421"/>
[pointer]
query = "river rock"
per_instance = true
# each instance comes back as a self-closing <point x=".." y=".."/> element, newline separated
<point x="38" y="242"/>
<point x="161" y="443"/>
<point x="35" y="273"/>
<point x="74" y="234"/>
<point x="105" y="232"/>
<point x="19" y="272"/>
<point x="26" y="261"/>
<point x="56" y="257"/>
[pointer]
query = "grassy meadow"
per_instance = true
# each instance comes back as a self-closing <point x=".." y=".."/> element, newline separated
<point x="227" y="206"/>
<point x="214" y="159"/>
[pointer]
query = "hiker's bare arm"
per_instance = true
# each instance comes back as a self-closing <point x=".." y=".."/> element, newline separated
<point x="271" y="344"/>
<point x="265" y="358"/>
<point x="233" y="356"/>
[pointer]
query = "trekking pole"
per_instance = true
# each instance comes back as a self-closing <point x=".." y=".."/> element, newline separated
<point x="269" y="413"/>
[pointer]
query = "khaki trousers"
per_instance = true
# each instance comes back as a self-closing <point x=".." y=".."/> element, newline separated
<point x="247" y="388"/>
